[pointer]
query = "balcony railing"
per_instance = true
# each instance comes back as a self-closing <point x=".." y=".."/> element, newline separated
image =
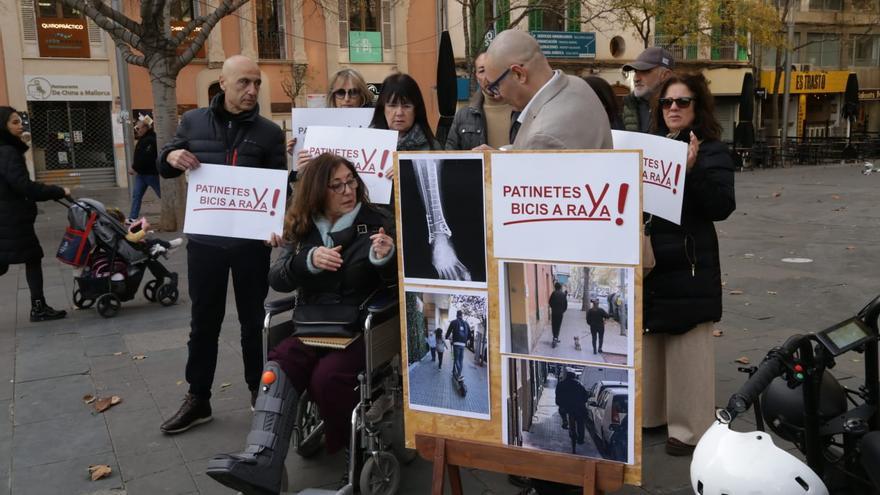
<point x="270" y="45"/>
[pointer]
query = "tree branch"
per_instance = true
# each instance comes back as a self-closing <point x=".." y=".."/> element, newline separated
<point x="190" y="27"/>
<point x="224" y="9"/>
<point x="118" y="17"/>
<point x="129" y="56"/>
<point x="116" y="31"/>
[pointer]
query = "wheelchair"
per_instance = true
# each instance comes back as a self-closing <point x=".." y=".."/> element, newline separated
<point x="376" y="448"/>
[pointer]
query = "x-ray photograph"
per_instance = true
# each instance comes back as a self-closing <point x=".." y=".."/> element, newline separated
<point x="443" y="219"/>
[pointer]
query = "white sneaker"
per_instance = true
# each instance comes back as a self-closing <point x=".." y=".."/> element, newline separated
<point x="157" y="249"/>
<point x="175" y="243"/>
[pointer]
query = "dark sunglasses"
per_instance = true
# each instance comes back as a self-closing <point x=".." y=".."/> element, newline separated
<point x="351" y="93"/>
<point x="683" y="102"/>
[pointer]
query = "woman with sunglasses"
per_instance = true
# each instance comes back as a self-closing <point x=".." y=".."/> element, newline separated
<point x="339" y="250"/>
<point x="348" y="89"/>
<point x="683" y="291"/>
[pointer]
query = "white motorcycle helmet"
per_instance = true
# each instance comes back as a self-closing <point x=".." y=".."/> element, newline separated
<point x="728" y="462"/>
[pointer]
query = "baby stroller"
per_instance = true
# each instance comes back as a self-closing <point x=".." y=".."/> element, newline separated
<point x="110" y="268"/>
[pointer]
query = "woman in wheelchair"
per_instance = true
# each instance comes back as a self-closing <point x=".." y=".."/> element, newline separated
<point x="339" y="250"/>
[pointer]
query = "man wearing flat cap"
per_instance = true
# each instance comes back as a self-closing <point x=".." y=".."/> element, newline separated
<point x="650" y="69"/>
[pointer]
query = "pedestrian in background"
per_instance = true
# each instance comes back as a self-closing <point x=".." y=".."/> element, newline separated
<point x="650" y="69"/>
<point x="431" y="340"/>
<point x="18" y="212"/>
<point x="609" y="100"/>
<point x="441" y="347"/>
<point x="558" y="304"/>
<point x="596" y="317"/>
<point x="143" y="167"/>
<point x="682" y="294"/>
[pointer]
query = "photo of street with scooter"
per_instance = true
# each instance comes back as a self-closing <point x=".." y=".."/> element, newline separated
<point x="447" y="347"/>
<point x="567" y="408"/>
<point x="574" y="312"/>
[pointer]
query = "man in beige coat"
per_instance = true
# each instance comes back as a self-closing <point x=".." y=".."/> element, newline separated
<point x="558" y="111"/>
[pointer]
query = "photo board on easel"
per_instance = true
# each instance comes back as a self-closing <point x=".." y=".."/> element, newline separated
<point x="498" y="236"/>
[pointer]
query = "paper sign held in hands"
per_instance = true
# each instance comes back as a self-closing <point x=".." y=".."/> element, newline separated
<point x="302" y="118"/>
<point x="371" y="151"/>
<point x="663" y="171"/>
<point x="241" y="202"/>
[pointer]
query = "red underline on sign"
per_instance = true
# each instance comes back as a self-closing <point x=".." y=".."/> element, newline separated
<point x="229" y="209"/>
<point x="656" y="184"/>
<point x="564" y="219"/>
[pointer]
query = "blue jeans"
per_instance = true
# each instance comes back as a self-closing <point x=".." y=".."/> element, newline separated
<point x="141" y="182"/>
<point x="457" y="359"/>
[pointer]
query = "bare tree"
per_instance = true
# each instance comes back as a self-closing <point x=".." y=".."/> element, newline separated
<point x="151" y="43"/>
<point x="294" y="81"/>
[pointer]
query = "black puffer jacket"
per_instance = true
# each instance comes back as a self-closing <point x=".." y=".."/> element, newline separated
<point x="258" y="142"/>
<point x="145" y="153"/>
<point x="352" y="283"/>
<point x="684" y="288"/>
<point x="18" y="207"/>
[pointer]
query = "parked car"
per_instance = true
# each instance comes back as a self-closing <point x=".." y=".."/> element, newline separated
<point x="606" y="413"/>
<point x="599" y="386"/>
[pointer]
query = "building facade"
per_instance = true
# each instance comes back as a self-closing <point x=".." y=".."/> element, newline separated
<point x="60" y="69"/>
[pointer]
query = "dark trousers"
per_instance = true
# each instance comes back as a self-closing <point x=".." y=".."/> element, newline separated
<point x="457" y="359"/>
<point x="555" y="323"/>
<point x="601" y="333"/>
<point x="208" y="269"/>
<point x="330" y="376"/>
<point x="33" y="271"/>
<point x="433" y="354"/>
<point x="439" y="358"/>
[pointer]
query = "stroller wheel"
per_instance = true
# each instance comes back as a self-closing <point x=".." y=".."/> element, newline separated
<point x="150" y="290"/>
<point x="81" y="302"/>
<point x="380" y="475"/>
<point x="108" y="305"/>
<point x="167" y="294"/>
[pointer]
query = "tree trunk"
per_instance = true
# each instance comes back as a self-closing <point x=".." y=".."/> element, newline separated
<point x="164" y="85"/>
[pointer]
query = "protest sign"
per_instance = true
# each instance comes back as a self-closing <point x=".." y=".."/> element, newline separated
<point x="663" y="171"/>
<point x="371" y="151"/>
<point x="241" y="202"/>
<point x="302" y="118"/>
<point x="578" y="207"/>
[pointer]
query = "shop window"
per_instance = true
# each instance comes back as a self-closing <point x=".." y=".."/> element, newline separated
<point x="271" y="35"/>
<point x="826" y="5"/>
<point x="181" y="10"/>
<point x="365" y="29"/>
<point x="822" y="50"/>
<point x="867" y="51"/>
<point x="57" y="9"/>
<point x="555" y="15"/>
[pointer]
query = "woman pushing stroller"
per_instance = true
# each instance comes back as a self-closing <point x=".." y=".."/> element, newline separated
<point x="339" y="250"/>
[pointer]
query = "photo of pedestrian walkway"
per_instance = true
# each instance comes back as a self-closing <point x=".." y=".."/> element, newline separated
<point x="447" y="350"/>
<point x="570" y="409"/>
<point x="570" y="312"/>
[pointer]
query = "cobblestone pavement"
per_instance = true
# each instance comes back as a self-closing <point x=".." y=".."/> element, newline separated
<point x="433" y="387"/>
<point x="574" y="324"/>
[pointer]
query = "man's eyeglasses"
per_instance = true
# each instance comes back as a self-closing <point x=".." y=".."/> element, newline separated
<point x="352" y="93"/>
<point x="683" y="102"/>
<point x="493" y="87"/>
<point x="341" y="187"/>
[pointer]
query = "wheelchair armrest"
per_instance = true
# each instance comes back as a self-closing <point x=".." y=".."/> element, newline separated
<point x="383" y="301"/>
<point x="280" y="305"/>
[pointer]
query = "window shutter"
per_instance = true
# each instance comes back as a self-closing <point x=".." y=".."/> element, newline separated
<point x="574" y="16"/>
<point x="95" y="33"/>
<point x="536" y="19"/>
<point x="386" y="24"/>
<point x="28" y="20"/>
<point x="502" y="14"/>
<point x="343" y="23"/>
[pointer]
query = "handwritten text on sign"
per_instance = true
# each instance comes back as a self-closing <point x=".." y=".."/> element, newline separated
<point x="578" y="207"/>
<point x="241" y="202"/>
<point x="663" y="171"/>
<point x="302" y="118"/>
<point x="371" y="151"/>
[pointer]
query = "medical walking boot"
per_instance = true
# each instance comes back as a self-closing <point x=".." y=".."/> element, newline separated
<point x="259" y="469"/>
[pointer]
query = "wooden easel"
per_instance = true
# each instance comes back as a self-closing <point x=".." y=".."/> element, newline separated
<point x="596" y="477"/>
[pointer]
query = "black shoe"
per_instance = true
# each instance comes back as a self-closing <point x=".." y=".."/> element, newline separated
<point x="259" y="468"/>
<point x="676" y="447"/>
<point x="40" y="311"/>
<point x="253" y="399"/>
<point x="194" y="411"/>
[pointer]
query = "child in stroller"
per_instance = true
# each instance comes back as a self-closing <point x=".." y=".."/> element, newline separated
<point x="111" y="259"/>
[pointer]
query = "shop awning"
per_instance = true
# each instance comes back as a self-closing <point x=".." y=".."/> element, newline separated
<point x="726" y="82"/>
<point x="814" y="82"/>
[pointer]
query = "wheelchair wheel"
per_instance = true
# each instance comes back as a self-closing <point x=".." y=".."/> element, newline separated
<point x="167" y="294"/>
<point x="80" y="301"/>
<point x="150" y="290"/>
<point x="108" y="305"/>
<point x="308" y="433"/>
<point x="380" y="475"/>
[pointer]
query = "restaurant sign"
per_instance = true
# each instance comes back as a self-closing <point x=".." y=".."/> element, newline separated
<point x="68" y="88"/>
<point x="833" y="81"/>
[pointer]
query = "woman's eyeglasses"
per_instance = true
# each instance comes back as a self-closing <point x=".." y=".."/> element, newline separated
<point x="341" y="187"/>
<point x="352" y="93"/>
<point x="683" y="102"/>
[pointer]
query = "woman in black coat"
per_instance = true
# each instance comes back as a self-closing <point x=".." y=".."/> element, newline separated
<point x="18" y="212"/>
<point x="682" y="294"/>
<point x="340" y="251"/>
